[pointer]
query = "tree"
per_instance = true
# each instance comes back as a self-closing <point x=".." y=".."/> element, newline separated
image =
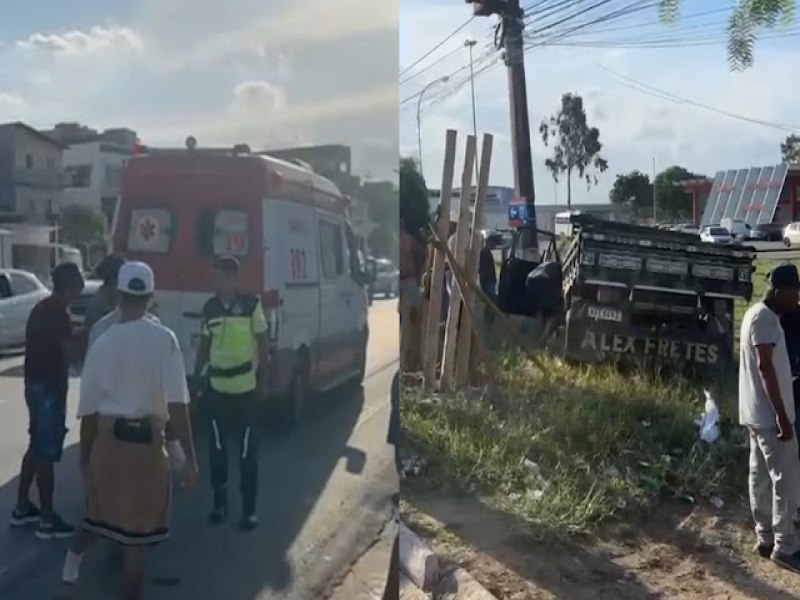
<point x="790" y="149"/>
<point x="674" y="203"/>
<point x="635" y="191"/>
<point x="749" y="16"/>
<point x="82" y="226"/>
<point x="577" y="146"/>
<point x="414" y="205"/>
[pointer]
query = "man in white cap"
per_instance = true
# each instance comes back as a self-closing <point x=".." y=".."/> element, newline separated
<point x="124" y="412"/>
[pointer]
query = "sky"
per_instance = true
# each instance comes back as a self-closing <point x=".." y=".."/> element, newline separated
<point x="270" y="73"/>
<point x="687" y="59"/>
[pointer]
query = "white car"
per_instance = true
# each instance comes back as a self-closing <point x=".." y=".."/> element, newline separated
<point x="791" y="234"/>
<point x="20" y="291"/>
<point x="716" y="235"/>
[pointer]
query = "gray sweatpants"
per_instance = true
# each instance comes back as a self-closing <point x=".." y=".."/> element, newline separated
<point x="774" y="489"/>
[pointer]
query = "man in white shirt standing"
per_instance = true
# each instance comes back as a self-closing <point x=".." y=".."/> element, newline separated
<point x="766" y="408"/>
<point x="133" y="383"/>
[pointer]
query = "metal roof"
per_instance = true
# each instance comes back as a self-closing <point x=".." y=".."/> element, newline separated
<point x="748" y="194"/>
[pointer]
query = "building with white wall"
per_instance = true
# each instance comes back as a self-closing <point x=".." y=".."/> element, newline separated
<point x="93" y="162"/>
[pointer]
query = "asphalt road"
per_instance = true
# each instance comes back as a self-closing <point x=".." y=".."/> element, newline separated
<point x="324" y="498"/>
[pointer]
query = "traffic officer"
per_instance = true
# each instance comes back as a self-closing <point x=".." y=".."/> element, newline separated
<point x="232" y="362"/>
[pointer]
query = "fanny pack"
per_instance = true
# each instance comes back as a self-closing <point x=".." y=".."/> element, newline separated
<point x="133" y="431"/>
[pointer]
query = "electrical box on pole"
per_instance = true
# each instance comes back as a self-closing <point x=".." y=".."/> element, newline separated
<point x="511" y="41"/>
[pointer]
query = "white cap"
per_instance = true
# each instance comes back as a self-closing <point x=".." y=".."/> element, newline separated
<point x="136" y="278"/>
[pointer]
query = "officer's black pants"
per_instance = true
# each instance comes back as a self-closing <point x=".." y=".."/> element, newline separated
<point x="234" y="415"/>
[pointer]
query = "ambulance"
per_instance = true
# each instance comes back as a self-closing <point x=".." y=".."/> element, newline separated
<point x="290" y="229"/>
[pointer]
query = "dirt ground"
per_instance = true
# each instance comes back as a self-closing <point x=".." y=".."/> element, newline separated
<point x="682" y="551"/>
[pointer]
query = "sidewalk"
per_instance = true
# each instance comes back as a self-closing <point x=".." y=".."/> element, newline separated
<point x="366" y="579"/>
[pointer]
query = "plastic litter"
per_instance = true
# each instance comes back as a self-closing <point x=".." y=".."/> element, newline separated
<point x="709" y="422"/>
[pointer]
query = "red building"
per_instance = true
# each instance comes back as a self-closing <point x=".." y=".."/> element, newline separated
<point x="756" y="195"/>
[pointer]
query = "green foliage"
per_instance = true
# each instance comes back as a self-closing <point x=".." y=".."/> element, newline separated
<point x="567" y="447"/>
<point x="748" y="18"/>
<point x="674" y="203"/>
<point x="82" y="225"/>
<point x="576" y="146"/>
<point x="414" y="205"/>
<point x="635" y="191"/>
<point x="790" y="149"/>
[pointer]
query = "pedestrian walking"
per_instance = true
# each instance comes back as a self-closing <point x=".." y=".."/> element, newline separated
<point x="133" y="383"/>
<point x="412" y="266"/>
<point x="232" y="360"/>
<point x="49" y="350"/>
<point x="767" y="410"/>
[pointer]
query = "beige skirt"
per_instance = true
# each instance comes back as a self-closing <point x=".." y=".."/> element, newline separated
<point x="128" y="487"/>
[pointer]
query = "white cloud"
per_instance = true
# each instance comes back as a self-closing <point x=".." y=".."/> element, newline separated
<point x="80" y="43"/>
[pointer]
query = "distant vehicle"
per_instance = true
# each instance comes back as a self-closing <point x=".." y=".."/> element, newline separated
<point x="716" y="235"/>
<point x="791" y="234"/>
<point x="686" y="228"/>
<point x="737" y="228"/>
<point x="20" y="291"/>
<point x="767" y="232"/>
<point x="563" y="223"/>
<point x="77" y="308"/>
<point x="387" y="279"/>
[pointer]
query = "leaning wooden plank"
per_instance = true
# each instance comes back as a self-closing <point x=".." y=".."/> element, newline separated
<point x="433" y="318"/>
<point x="462" y="240"/>
<point x="417" y="561"/>
<point x="465" y="335"/>
<point x="503" y="318"/>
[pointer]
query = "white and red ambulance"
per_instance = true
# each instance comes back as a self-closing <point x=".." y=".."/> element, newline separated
<point x="290" y="230"/>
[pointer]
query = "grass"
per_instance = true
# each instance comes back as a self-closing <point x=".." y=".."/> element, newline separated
<point x="572" y="446"/>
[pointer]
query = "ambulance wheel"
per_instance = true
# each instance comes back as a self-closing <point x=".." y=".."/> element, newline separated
<point x="298" y="395"/>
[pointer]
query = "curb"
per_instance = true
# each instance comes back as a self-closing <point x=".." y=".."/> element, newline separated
<point x="421" y="576"/>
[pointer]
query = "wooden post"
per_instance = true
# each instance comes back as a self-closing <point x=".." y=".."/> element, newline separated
<point x="432" y="319"/>
<point x="465" y="335"/>
<point x="462" y="240"/>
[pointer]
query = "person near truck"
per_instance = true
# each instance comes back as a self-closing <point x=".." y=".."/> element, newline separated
<point x="123" y="413"/>
<point x="232" y="362"/>
<point x="49" y="350"/>
<point x="412" y="266"/>
<point x="767" y="410"/>
<point x="790" y="321"/>
<point x="487" y="272"/>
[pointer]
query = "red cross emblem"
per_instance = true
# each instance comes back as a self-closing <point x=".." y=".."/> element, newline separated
<point x="147" y="229"/>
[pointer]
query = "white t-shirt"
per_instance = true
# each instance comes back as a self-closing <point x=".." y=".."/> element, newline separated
<point x="761" y="326"/>
<point x="107" y="321"/>
<point x="134" y="370"/>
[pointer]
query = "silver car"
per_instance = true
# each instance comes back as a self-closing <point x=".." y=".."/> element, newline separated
<point x="20" y="291"/>
<point x="387" y="279"/>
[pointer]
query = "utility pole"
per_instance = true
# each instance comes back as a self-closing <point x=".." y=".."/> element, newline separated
<point x="511" y="16"/>
<point x="419" y="121"/>
<point x="655" y="196"/>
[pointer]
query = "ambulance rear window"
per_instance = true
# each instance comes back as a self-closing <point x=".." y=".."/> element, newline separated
<point x="150" y="230"/>
<point x="223" y="232"/>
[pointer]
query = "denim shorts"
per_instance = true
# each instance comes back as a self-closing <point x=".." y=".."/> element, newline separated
<point x="47" y="411"/>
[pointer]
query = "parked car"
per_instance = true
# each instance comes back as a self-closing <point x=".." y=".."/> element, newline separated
<point x="387" y="279"/>
<point x="738" y="228"/>
<point x="686" y="228"/>
<point x="767" y="232"/>
<point x="791" y="234"/>
<point x="77" y="308"/>
<point x="716" y="235"/>
<point x="20" y="291"/>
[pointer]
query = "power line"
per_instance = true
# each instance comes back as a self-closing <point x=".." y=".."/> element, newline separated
<point x="659" y="93"/>
<point x="437" y="46"/>
<point x="433" y="64"/>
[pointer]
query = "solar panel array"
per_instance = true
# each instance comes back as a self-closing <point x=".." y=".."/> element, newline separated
<point x="750" y="195"/>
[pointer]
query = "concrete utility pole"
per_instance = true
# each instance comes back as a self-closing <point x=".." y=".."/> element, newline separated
<point x="511" y="15"/>
<point x="655" y="196"/>
<point x="470" y="44"/>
